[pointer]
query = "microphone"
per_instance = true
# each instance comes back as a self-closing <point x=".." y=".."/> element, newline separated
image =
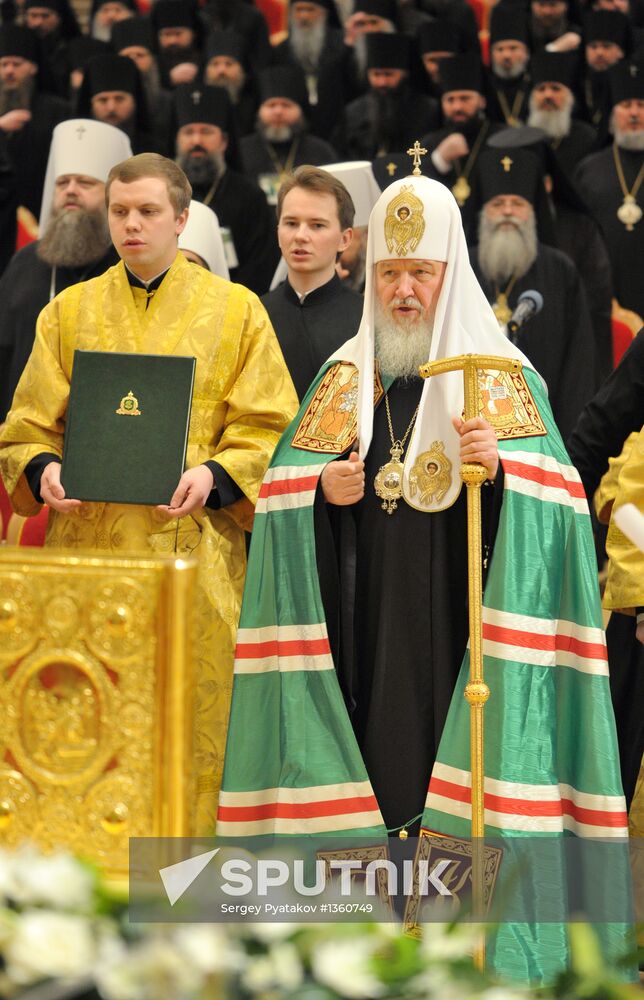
<point x="530" y="303"/>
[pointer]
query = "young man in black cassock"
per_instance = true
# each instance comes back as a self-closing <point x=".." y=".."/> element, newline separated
<point x="312" y="312"/>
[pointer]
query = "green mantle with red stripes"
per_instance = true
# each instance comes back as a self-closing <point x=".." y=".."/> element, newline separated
<point x="293" y="766"/>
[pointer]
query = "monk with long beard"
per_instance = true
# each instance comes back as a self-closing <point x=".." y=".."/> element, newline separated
<point x="510" y="260"/>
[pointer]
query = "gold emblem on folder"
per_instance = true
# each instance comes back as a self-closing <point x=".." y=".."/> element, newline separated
<point x="129" y="406"/>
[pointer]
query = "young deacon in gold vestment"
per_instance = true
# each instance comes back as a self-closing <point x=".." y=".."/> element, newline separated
<point x="156" y="302"/>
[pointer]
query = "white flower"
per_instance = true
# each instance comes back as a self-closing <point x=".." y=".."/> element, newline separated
<point x="505" y="993"/>
<point x="8" y="922"/>
<point x="153" y="970"/>
<point x="209" y="949"/>
<point x="6" y="874"/>
<point x="438" y="982"/>
<point x="50" y="944"/>
<point x="280" y="969"/>
<point x="58" y="881"/>
<point x="269" y="932"/>
<point x="444" y="943"/>
<point x="344" y="967"/>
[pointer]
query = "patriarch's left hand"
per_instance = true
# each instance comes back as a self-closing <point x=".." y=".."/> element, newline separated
<point x="478" y="443"/>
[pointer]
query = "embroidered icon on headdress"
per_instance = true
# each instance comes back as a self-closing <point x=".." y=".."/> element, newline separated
<point x="431" y="475"/>
<point x="404" y="222"/>
<point x="129" y="406"/>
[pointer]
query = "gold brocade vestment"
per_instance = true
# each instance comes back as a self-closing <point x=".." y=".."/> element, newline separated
<point x="625" y="581"/>
<point x="243" y="399"/>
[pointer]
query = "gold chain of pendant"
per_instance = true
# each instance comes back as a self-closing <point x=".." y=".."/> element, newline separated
<point x="284" y="168"/>
<point x="622" y="180"/>
<point x="595" y="112"/>
<point x="629" y="212"/>
<point x="511" y="115"/>
<point x="469" y="163"/>
<point x="212" y="191"/>
<point x="388" y="482"/>
<point x="500" y="308"/>
<point x="395" y="440"/>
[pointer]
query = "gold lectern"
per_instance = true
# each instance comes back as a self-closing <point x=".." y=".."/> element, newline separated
<point x="97" y="701"/>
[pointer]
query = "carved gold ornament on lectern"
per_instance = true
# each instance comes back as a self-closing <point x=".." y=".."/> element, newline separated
<point x="96" y="697"/>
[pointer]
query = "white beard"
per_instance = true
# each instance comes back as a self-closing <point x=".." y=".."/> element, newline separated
<point x="277" y="133"/>
<point x="512" y="73"/>
<point x="505" y="252"/>
<point x="633" y="141"/>
<point x="360" y="53"/>
<point x="555" y="124"/>
<point x="234" y="87"/>
<point x="307" y="44"/>
<point x="401" y="349"/>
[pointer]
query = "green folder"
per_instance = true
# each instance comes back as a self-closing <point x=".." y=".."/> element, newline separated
<point x="127" y="427"/>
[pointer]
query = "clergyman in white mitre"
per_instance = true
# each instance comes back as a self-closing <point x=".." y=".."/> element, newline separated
<point x="422" y="302"/>
<point x="81" y="147"/>
<point x="74" y="242"/>
<point x="201" y="240"/>
<point x="74" y="235"/>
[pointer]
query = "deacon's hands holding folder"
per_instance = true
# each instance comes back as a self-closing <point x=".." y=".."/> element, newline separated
<point x="52" y="491"/>
<point x="192" y="492"/>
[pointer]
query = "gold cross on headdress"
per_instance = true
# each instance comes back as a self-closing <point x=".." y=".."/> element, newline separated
<point x="416" y="151"/>
<point x="507" y="163"/>
<point x="391" y="169"/>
